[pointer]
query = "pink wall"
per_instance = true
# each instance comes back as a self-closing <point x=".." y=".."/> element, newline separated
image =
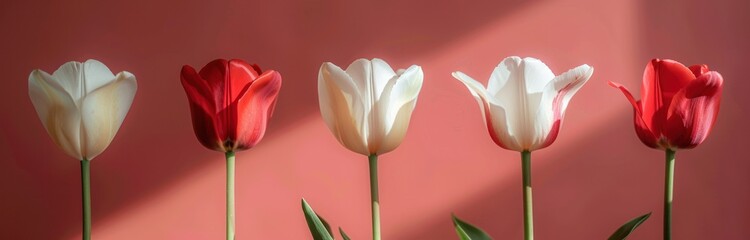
<point x="156" y="182"/>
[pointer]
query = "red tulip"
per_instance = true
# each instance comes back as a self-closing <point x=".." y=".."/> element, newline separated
<point x="678" y="105"/>
<point x="231" y="102"/>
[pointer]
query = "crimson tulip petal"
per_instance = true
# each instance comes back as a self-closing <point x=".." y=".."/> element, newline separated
<point x="202" y="109"/>
<point x="197" y="89"/>
<point x="662" y="79"/>
<point x="254" y="107"/>
<point x="699" y="70"/>
<point x="693" y="111"/>
<point x="230" y="102"/>
<point x="643" y="131"/>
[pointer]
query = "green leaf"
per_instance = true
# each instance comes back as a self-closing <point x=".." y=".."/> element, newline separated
<point x="318" y="228"/>
<point x="629" y="227"/>
<point x="467" y="231"/>
<point x="343" y="234"/>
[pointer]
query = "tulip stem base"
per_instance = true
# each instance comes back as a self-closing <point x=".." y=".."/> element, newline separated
<point x="230" y="195"/>
<point x="86" y="197"/>
<point x="668" y="196"/>
<point x="528" y="215"/>
<point x="374" y="196"/>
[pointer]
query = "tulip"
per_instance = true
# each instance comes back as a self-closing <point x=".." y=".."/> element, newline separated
<point x="367" y="107"/>
<point x="82" y="105"/>
<point x="678" y="105"/>
<point x="677" y="110"/>
<point x="230" y="102"/>
<point x="523" y="107"/>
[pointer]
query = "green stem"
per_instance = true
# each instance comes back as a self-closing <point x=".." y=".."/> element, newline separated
<point x="528" y="215"/>
<point x="668" y="196"/>
<point x="230" y="195"/>
<point x="374" y="196"/>
<point x="86" y="196"/>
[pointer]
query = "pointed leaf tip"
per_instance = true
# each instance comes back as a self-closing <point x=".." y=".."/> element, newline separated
<point x="343" y="234"/>
<point x="628" y="227"/>
<point x="318" y="227"/>
<point x="467" y="231"/>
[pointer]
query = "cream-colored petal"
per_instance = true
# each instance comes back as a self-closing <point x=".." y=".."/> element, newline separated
<point x="405" y="90"/>
<point x="341" y="106"/>
<point x="96" y="75"/>
<point x="69" y="76"/>
<point x="57" y="111"/>
<point x="397" y="104"/>
<point x="360" y="74"/>
<point x="397" y="131"/>
<point x="381" y="74"/>
<point x="104" y="110"/>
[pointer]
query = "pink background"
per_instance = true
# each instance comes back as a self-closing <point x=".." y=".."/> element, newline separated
<point x="155" y="181"/>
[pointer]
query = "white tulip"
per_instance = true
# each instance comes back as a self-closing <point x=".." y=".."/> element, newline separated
<point x="368" y="106"/>
<point x="524" y="102"/>
<point x="82" y="105"/>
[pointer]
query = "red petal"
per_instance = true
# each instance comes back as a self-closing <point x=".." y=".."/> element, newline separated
<point x="255" y="106"/>
<point x="693" y="111"/>
<point x="644" y="133"/>
<point x="201" y="108"/>
<point x="641" y="128"/>
<point x="662" y="79"/>
<point x="699" y="70"/>
<point x="257" y="69"/>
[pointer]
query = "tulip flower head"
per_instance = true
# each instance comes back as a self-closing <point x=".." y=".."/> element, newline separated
<point x="230" y="102"/>
<point x="368" y="106"/>
<point x="524" y="102"/>
<point x="82" y="105"/>
<point x="678" y="105"/>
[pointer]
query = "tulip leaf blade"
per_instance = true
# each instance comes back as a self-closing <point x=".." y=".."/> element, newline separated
<point x="628" y="227"/>
<point x="467" y="231"/>
<point x="319" y="229"/>
<point x="343" y="234"/>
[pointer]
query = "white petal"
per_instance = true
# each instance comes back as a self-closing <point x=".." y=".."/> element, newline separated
<point x="70" y="76"/>
<point x="103" y="112"/>
<point x="495" y="116"/>
<point x="360" y="73"/>
<point x="381" y="74"/>
<point x="510" y="94"/>
<point x="341" y="106"/>
<point x="504" y="71"/>
<point x="406" y="89"/>
<point x="555" y="98"/>
<point x="476" y="89"/>
<point x="536" y="74"/>
<point x="501" y="128"/>
<point x="520" y="98"/>
<point x="96" y="75"/>
<point x="572" y="81"/>
<point x="398" y="102"/>
<point x="57" y="111"/>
